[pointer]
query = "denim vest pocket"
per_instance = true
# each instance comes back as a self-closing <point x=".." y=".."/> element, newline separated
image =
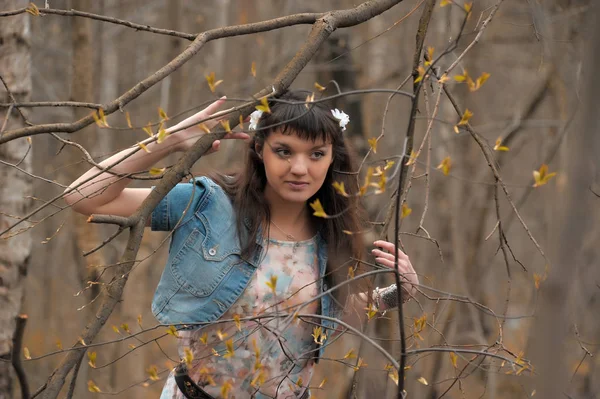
<point x="199" y="270"/>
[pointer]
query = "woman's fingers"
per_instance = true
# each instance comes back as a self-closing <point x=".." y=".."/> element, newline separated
<point x="388" y="246"/>
<point x="236" y="136"/>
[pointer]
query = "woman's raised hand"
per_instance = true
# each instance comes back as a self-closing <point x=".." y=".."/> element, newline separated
<point x="404" y="266"/>
<point x="184" y="139"/>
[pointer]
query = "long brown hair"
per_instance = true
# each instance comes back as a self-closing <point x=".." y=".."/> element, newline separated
<point x="290" y="114"/>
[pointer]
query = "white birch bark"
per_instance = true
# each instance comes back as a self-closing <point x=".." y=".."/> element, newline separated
<point x="15" y="185"/>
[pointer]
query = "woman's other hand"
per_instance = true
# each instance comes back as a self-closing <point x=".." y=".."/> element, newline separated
<point x="404" y="266"/>
<point x="185" y="139"/>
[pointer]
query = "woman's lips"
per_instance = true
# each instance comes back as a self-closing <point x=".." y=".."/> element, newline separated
<point x="297" y="185"/>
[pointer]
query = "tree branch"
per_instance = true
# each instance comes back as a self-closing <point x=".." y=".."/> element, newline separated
<point x="321" y="30"/>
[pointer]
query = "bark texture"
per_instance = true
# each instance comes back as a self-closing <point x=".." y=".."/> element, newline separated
<point x="15" y="186"/>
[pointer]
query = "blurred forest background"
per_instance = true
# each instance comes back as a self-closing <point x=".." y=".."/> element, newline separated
<point x="538" y="311"/>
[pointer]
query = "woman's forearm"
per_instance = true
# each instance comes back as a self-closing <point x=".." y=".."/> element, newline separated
<point x="104" y="187"/>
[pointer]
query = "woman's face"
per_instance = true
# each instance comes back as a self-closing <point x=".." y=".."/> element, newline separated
<point x="295" y="168"/>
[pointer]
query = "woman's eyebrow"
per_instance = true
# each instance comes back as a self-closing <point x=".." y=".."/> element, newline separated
<point x="279" y="143"/>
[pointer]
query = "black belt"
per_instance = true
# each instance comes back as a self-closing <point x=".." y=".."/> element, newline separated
<point x="191" y="390"/>
<point x="187" y="386"/>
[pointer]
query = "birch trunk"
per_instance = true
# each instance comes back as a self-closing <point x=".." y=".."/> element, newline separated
<point x="15" y="185"/>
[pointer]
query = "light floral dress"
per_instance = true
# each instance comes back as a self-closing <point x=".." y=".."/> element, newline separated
<point x="264" y="358"/>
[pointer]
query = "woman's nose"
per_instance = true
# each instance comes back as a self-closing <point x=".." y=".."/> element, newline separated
<point x="299" y="166"/>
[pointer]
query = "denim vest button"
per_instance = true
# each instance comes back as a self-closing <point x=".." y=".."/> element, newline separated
<point x="212" y="252"/>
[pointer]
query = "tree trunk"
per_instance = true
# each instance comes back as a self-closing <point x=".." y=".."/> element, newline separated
<point x="16" y="185"/>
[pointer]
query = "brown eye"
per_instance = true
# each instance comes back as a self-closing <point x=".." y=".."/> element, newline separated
<point x="282" y="152"/>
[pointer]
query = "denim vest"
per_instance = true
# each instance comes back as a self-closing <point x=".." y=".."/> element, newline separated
<point x="205" y="274"/>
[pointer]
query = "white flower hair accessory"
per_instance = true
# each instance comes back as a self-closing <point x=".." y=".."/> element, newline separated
<point x="342" y="117"/>
<point x="254" y="118"/>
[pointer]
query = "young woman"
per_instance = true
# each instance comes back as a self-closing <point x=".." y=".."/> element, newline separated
<point x="247" y="251"/>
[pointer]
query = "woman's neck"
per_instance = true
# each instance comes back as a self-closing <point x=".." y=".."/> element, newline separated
<point x="290" y="219"/>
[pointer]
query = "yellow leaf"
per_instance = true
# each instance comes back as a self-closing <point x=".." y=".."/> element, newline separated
<point x="429" y="56"/>
<point x="309" y="99"/>
<point x="542" y="176"/>
<point x="453" y="359"/>
<point x="339" y="188"/>
<point x="444" y="3"/>
<point x="444" y="78"/>
<point x="188" y="356"/>
<point x="323" y="382"/>
<point x="139" y="320"/>
<point x="371" y="311"/>
<point x="214" y="352"/>
<point x="388" y="164"/>
<point x="421" y="72"/>
<point x="236" y="320"/>
<point x="59" y="344"/>
<point x="421" y="322"/>
<point x="264" y="105"/>
<point x="258" y="379"/>
<point x="153" y="373"/>
<point x="26" y="353"/>
<point x="350" y="354"/>
<point x="445" y="166"/>
<point x="299" y="382"/>
<point x="393" y="374"/>
<point x="373" y="144"/>
<point x="156" y="171"/>
<point x="131" y="346"/>
<point x="272" y="283"/>
<point x="359" y="364"/>
<point x="28" y="138"/>
<point x="92" y="359"/>
<point x="125" y="327"/>
<point x="499" y="146"/>
<point x="172" y="331"/>
<point x="204" y="128"/>
<point x="368" y="176"/>
<point x="253" y="68"/>
<point x="162" y="134"/>
<point x="480" y="81"/>
<point x="225" y="389"/>
<point x="405" y="211"/>
<point x="318" y="335"/>
<point x="351" y="272"/>
<point x="381" y="184"/>
<point x="204" y="338"/>
<point x="319" y="87"/>
<point x="81" y="341"/>
<point x="97" y="119"/>
<point x="465" y="117"/>
<point x="148" y="129"/>
<point x="221" y="335"/>
<point x="128" y="118"/>
<point x="462" y="78"/>
<point x="318" y="209"/>
<point x="204" y="372"/>
<point x="229" y="352"/>
<point x="539" y="279"/>
<point x="226" y="126"/>
<point x="116" y="329"/>
<point x="413" y="158"/>
<point x="422" y="381"/>
<point x="102" y="117"/>
<point x="533" y="392"/>
<point x="93" y="387"/>
<point x="210" y="79"/>
<point x="468" y="6"/>
<point x="162" y="114"/>
<point x="33" y="10"/>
